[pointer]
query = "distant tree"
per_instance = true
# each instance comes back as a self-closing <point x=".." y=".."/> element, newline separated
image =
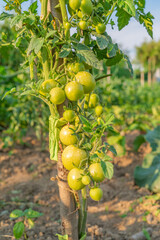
<point x="148" y="55"/>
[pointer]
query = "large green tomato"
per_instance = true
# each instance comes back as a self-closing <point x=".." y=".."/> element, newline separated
<point x="74" y="68"/>
<point x="66" y="135"/>
<point x="72" y="157"/>
<point x="96" y="194"/>
<point x="87" y="81"/>
<point x="74" y="91"/>
<point x="75" y="179"/>
<point x="69" y="115"/>
<point x="74" y="4"/>
<point x="96" y="172"/>
<point x="57" y="95"/>
<point x="98" y="110"/>
<point x="86" y="7"/>
<point x="46" y="86"/>
<point x="100" y="28"/>
<point x="93" y="101"/>
<point x="83" y="25"/>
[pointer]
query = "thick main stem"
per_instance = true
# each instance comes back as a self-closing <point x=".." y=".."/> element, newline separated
<point x="68" y="208"/>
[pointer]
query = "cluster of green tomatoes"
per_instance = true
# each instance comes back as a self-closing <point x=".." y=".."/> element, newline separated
<point x="79" y="84"/>
<point x="83" y="10"/>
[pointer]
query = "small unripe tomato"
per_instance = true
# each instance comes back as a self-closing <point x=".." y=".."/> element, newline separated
<point x="83" y="25"/>
<point x="87" y="80"/>
<point x="74" y="91"/>
<point x="74" y="4"/>
<point x="80" y="14"/>
<point x="57" y="96"/>
<point x="66" y="135"/>
<point x="96" y="194"/>
<point x="69" y="115"/>
<point x="67" y="25"/>
<point x="75" y="179"/>
<point x="98" y="110"/>
<point x="86" y="180"/>
<point x="96" y="172"/>
<point x="73" y="156"/>
<point x="46" y="86"/>
<point x="93" y="101"/>
<point x="100" y="28"/>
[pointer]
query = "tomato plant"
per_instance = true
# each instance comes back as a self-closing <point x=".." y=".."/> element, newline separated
<point x="51" y="52"/>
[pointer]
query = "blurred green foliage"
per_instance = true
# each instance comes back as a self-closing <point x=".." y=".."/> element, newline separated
<point x="18" y="114"/>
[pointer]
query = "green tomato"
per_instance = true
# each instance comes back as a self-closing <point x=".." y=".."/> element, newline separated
<point x="57" y="96"/>
<point x="67" y="25"/>
<point x="69" y="115"/>
<point x="74" y="4"/>
<point x="98" y="110"/>
<point x="74" y="91"/>
<point x="75" y="179"/>
<point x="96" y="172"/>
<point x="83" y="25"/>
<point x="100" y="28"/>
<point x="72" y="157"/>
<point x="80" y="14"/>
<point x="86" y="7"/>
<point x="74" y="68"/>
<point x="87" y="80"/>
<point x="96" y="194"/>
<point x="86" y="180"/>
<point x="67" y="136"/>
<point x="46" y="86"/>
<point x="93" y="101"/>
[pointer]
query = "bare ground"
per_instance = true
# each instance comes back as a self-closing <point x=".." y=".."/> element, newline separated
<point x="125" y="209"/>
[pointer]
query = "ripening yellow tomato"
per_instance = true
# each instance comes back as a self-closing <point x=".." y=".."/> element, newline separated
<point x="96" y="194"/>
<point x="73" y="156"/>
<point x="96" y="172"/>
<point x="67" y="136"/>
<point x="87" y="80"/>
<point x="75" y="179"/>
<point x="74" y="91"/>
<point x="93" y="101"/>
<point x="57" y="95"/>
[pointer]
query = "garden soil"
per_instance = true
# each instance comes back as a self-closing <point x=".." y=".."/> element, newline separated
<point x="124" y="210"/>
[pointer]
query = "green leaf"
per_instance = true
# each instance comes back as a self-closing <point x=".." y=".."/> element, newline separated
<point x="114" y="60"/>
<point x="153" y="137"/>
<point x="13" y="90"/>
<point x="35" y="44"/>
<point x="16" y="214"/>
<point x="53" y="138"/>
<point x="128" y="6"/>
<point x="139" y="140"/>
<point x="109" y="170"/>
<point x="65" y="51"/>
<point x="60" y="237"/>
<point x="146" y="20"/>
<point x="123" y="18"/>
<point x="5" y="15"/>
<point x="113" y="150"/>
<point x="18" y="230"/>
<point x="87" y="55"/>
<point x="29" y="213"/>
<point x="146" y="234"/>
<point x="102" y="41"/>
<point x="51" y="34"/>
<point x="85" y="121"/>
<point x="33" y="7"/>
<point x="129" y="64"/>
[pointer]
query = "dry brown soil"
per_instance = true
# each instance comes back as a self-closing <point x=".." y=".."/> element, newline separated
<point x="125" y="209"/>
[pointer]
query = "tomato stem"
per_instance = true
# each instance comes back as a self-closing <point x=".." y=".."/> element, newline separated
<point x="84" y="211"/>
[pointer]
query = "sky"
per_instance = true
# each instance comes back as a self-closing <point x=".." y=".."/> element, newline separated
<point x="134" y="34"/>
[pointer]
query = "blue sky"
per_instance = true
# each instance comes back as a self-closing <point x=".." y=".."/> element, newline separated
<point x="133" y="34"/>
